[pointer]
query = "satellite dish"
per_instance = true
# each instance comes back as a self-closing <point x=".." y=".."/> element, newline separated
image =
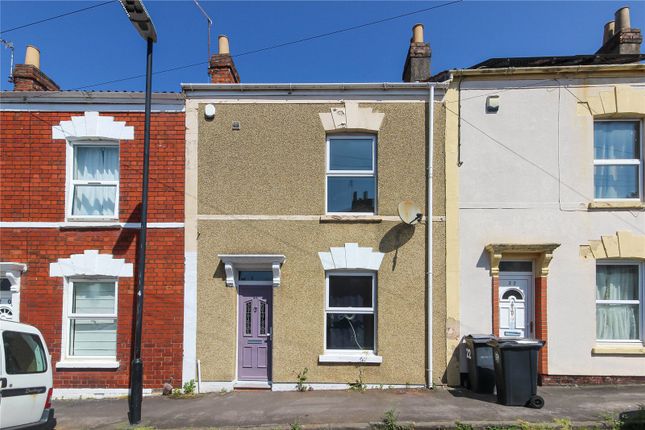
<point x="409" y="212"/>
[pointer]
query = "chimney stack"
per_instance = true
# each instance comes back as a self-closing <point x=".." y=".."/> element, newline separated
<point x="619" y="37"/>
<point x="29" y="77"/>
<point x="417" y="62"/>
<point x="221" y="68"/>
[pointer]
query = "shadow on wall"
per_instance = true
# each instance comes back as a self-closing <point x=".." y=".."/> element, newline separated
<point x="484" y="260"/>
<point x="127" y="235"/>
<point x="219" y="271"/>
<point x="395" y="238"/>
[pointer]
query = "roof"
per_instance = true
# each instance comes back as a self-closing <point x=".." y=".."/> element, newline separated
<point x="559" y="61"/>
<point x="527" y="63"/>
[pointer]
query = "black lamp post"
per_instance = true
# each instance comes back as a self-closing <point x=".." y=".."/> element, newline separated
<point x="142" y="22"/>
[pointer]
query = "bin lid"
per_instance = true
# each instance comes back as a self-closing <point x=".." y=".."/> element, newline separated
<point x="479" y="338"/>
<point x="516" y="343"/>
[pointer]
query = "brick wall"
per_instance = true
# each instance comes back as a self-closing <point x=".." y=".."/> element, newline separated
<point x="32" y="189"/>
<point x="32" y="167"/>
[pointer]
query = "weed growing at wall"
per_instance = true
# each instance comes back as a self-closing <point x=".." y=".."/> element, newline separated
<point x="302" y="379"/>
<point x="358" y="385"/>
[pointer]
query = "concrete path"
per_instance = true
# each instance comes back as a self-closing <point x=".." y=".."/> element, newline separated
<point x="439" y="408"/>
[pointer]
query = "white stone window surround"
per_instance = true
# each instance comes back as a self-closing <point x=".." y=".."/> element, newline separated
<point x="233" y="263"/>
<point x="89" y="130"/>
<point x="13" y="272"/>
<point x="348" y="260"/>
<point x="89" y="266"/>
<point x="624" y="162"/>
<point x="331" y="173"/>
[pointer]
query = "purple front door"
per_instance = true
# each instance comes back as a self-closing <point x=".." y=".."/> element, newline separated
<point x="254" y="333"/>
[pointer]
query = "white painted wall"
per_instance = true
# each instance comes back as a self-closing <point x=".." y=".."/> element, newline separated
<point x="529" y="181"/>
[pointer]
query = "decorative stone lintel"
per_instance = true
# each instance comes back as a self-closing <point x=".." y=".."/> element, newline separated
<point x="92" y="126"/>
<point x="351" y="256"/>
<point x="233" y="262"/>
<point x="543" y="251"/>
<point x="91" y="263"/>
<point x="351" y="117"/>
<point x="623" y="244"/>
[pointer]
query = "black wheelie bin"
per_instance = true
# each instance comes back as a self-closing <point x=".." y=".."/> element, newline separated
<point x="481" y="370"/>
<point x="516" y="363"/>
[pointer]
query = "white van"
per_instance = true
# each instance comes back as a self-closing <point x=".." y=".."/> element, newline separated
<point x="25" y="378"/>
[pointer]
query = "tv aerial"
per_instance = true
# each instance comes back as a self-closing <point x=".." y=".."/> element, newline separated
<point x="409" y="212"/>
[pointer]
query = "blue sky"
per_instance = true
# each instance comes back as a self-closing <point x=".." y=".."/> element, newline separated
<point x="101" y="45"/>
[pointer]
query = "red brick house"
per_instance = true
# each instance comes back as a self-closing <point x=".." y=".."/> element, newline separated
<point x="70" y="189"/>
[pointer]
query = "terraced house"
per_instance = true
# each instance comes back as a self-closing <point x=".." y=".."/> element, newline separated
<point x="297" y="260"/>
<point x="546" y="216"/>
<point x="70" y="187"/>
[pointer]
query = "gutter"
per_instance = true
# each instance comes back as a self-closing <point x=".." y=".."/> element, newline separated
<point x="429" y="229"/>
<point x="290" y="88"/>
<point x="550" y="70"/>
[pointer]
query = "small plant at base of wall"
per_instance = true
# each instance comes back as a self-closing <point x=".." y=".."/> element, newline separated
<point x="187" y="391"/>
<point x="358" y="385"/>
<point x="302" y="379"/>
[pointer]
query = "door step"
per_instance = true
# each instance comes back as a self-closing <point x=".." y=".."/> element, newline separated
<point x="252" y="385"/>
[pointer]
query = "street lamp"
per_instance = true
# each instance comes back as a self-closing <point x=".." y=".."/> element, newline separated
<point x="142" y="22"/>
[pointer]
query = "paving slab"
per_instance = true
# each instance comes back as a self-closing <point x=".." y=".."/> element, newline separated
<point x="437" y="408"/>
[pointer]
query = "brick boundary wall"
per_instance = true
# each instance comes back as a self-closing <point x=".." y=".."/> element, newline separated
<point x="590" y="380"/>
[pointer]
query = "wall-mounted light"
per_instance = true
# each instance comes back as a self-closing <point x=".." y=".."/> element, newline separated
<point x="492" y="104"/>
<point x="209" y="111"/>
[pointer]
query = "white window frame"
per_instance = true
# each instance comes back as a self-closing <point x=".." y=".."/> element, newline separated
<point x="71" y="182"/>
<point x="350" y="355"/>
<point x="622" y="162"/>
<point x="640" y="301"/>
<point x="76" y="361"/>
<point x="355" y="173"/>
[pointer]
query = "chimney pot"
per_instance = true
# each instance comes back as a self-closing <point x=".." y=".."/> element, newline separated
<point x="223" y="48"/>
<point x="417" y="33"/>
<point x="622" y="19"/>
<point x="32" y="56"/>
<point x="417" y="62"/>
<point x="610" y="28"/>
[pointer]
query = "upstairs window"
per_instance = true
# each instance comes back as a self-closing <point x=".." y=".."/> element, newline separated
<point x="351" y="174"/>
<point x="94" y="184"/>
<point x="618" y="160"/>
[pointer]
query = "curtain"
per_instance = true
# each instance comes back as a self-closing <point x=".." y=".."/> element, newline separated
<point x="616" y="140"/>
<point x="93" y="337"/>
<point x="617" y="321"/>
<point x="95" y="164"/>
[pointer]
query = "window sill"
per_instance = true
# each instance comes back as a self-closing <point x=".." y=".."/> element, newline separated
<point x="616" y="205"/>
<point x="350" y="358"/>
<point x="618" y="350"/>
<point x="87" y="223"/>
<point x="351" y="219"/>
<point x="88" y="364"/>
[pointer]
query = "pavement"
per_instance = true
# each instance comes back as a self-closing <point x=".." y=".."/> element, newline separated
<point x="584" y="406"/>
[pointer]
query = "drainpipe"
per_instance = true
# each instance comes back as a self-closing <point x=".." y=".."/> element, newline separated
<point x="430" y="157"/>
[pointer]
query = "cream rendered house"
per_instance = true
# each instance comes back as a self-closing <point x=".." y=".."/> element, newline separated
<point x="546" y="212"/>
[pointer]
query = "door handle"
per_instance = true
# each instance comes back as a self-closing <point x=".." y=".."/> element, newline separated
<point x="3" y="382"/>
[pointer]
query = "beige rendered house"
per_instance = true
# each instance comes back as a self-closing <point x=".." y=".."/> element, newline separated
<point x="297" y="260"/>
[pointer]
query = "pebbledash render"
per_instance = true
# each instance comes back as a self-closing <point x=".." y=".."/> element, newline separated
<point x="297" y="260"/>
<point x="70" y="188"/>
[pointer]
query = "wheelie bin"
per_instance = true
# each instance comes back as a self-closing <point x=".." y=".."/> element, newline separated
<point x="516" y="363"/>
<point x="481" y="370"/>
